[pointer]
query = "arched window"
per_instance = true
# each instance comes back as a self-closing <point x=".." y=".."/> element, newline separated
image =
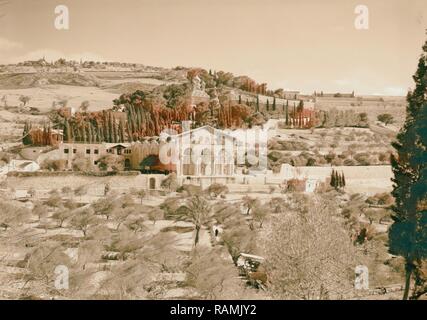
<point x="257" y="150"/>
<point x="224" y="162"/>
<point x="206" y="162"/>
<point x="187" y="163"/>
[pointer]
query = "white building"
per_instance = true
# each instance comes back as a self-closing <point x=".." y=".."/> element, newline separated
<point x="20" y="166"/>
<point x="202" y="156"/>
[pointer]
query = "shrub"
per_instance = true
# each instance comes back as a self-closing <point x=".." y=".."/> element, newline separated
<point x="217" y="189"/>
<point x="54" y="165"/>
<point x="363" y="159"/>
<point x="82" y="164"/>
<point x="386" y="118"/>
<point x="190" y="189"/>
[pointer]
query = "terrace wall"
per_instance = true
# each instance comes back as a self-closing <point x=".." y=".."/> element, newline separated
<point x="44" y="182"/>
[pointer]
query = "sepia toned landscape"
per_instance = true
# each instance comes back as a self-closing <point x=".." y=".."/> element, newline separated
<point x="121" y="180"/>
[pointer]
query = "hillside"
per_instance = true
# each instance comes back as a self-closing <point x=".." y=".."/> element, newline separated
<point x="31" y="80"/>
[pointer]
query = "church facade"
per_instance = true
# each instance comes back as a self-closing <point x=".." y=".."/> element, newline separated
<point x="202" y="156"/>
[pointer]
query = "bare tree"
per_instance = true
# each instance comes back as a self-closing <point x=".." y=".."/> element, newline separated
<point x="126" y="243"/>
<point x="250" y="203"/>
<point x="84" y="220"/>
<point x="40" y="210"/>
<point x="155" y="214"/>
<point x="11" y="215"/>
<point x="42" y="262"/>
<point x="260" y="213"/>
<point x="106" y="206"/>
<point x="310" y="254"/>
<point x="80" y="191"/>
<point x="212" y="276"/>
<point x="141" y="193"/>
<point x="61" y="215"/>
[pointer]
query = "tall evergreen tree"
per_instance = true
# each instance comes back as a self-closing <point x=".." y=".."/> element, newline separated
<point x="84" y="135"/>
<point x="26" y="137"/>
<point x="105" y="126"/>
<point x="337" y="180"/>
<point x="408" y="234"/>
<point x="333" y="181"/>
<point x="110" y="128"/>
<point x="294" y="115"/>
<point x="268" y="105"/>
<point x="129" y="132"/>
<point x="240" y="99"/>
<point x="121" y="132"/>
<point x="300" y="108"/>
<point x="98" y="134"/>
<point x="90" y="133"/>
<point x="287" y="112"/>
<point x="257" y="103"/>
<point x="67" y="133"/>
<point x="274" y="104"/>
<point x="114" y="126"/>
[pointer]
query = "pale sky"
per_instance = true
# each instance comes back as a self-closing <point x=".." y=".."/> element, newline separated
<point x="304" y="45"/>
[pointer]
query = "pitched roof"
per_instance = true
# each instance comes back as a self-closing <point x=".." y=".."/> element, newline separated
<point x="206" y="127"/>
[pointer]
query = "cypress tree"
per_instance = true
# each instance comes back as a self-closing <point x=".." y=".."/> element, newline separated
<point x="114" y="126"/>
<point x="274" y="104"/>
<point x="408" y="234"/>
<point x="287" y="112"/>
<point x="268" y="105"/>
<point x="337" y="180"/>
<point x="90" y="133"/>
<point x="240" y="99"/>
<point x="75" y="132"/>
<point x="26" y="136"/>
<point x="84" y="136"/>
<point x="98" y="134"/>
<point x="342" y="179"/>
<point x="67" y="135"/>
<point x="45" y="140"/>
<point x="110" y="128"/>
<point x="105" y="126"/>
<point x="129" y="131"/>
<point x="257" y="103"/>
<point x="333" y="181"/>
<point x="294" y="115"/>
<point x="66" y="131"/>
<point x="121" y="132"/>
<point x="138" y="119"/>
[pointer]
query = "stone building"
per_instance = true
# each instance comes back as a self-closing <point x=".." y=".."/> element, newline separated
<point x="202" y="156"/>
<point x="198" y="93"/>
<point x="92" y="151"/>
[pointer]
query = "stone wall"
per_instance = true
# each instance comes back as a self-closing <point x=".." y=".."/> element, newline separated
<point x="95" y="184"/>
